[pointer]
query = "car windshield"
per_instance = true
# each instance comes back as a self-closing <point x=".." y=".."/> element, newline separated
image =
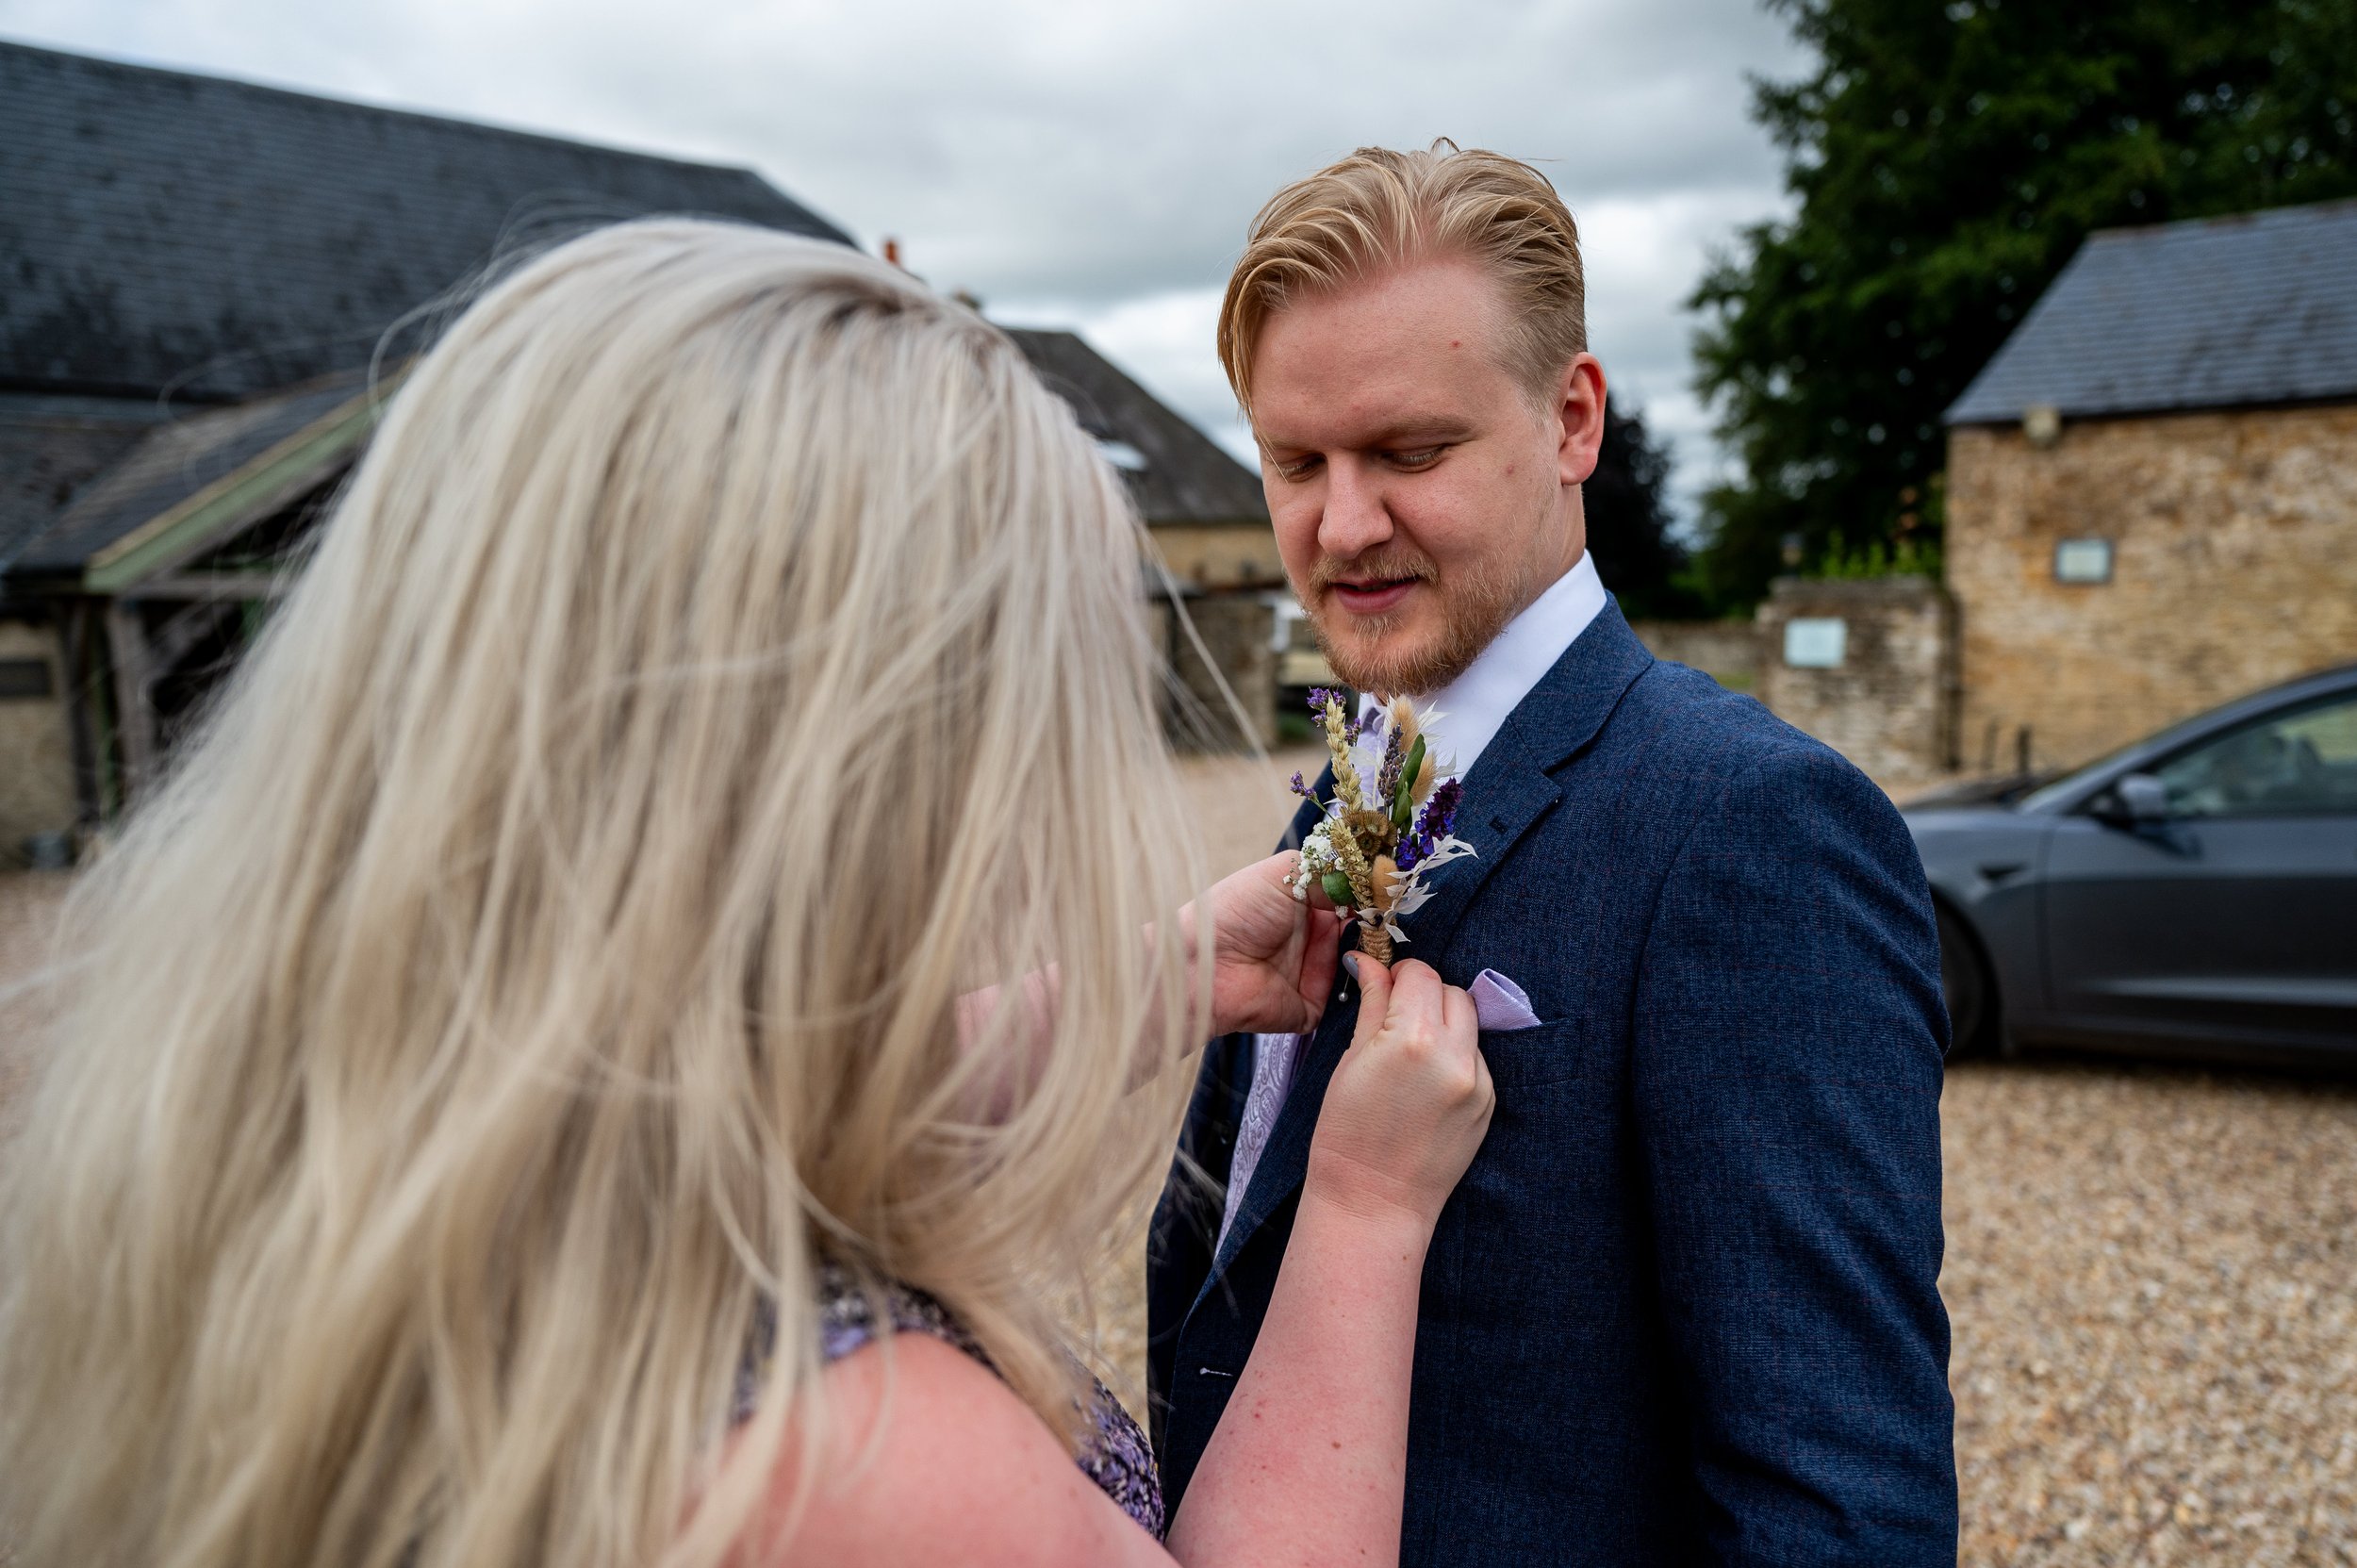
<point x="2161" y="741"/>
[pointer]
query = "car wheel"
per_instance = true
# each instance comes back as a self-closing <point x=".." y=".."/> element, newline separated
<point x="1964" y="978"/>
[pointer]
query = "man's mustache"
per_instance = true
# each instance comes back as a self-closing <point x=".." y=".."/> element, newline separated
<point x="1394" y="566"/>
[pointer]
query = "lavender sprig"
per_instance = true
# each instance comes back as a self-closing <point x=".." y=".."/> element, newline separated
<point x="1433" y="823"/>
<point x="1394" y="755"/>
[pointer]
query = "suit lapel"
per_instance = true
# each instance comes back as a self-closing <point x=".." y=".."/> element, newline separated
<point x="1509" y="790"/>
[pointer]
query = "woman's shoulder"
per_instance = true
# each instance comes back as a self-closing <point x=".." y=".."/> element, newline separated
<point x="941" y="1463"/>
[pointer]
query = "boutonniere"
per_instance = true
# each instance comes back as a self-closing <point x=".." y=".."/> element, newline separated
<point x="1390" y="825"/>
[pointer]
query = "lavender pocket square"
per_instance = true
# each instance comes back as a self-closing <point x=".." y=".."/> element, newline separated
<point x="1499" y="1003"/>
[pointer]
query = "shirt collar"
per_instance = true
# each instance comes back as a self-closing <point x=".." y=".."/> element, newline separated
<point x="1476" y="705"/>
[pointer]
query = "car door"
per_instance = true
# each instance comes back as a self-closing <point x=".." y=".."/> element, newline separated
<point x="2236" y="919"/>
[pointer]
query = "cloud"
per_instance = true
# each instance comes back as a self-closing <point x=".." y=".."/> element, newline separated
<point x="1085" y="165"/>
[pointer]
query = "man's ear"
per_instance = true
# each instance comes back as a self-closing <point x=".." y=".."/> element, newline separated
<point x="1579" y="404"/>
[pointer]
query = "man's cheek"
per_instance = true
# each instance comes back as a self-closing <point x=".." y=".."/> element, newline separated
<point x="1297" y="548"/>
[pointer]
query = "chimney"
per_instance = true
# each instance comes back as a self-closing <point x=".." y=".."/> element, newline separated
<point x="892" y="251"/>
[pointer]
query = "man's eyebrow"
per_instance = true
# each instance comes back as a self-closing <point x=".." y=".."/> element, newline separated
<point x="1414" y="427"/>
<point x="1424" y="427"/>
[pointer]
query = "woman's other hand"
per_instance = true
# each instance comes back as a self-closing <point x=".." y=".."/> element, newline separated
<point x="1411" y="1100"/>
<point x="1273" y="956"/>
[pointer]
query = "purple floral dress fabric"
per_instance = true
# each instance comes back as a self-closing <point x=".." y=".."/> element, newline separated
<point x="1115" y="1454"/>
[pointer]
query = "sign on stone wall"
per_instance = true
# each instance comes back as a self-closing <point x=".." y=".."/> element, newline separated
<point x="2083" y="561"/>
<point x="1816" y="642"/>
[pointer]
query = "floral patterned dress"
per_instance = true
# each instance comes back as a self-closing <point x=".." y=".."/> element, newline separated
<point x="1115" y="1454"/>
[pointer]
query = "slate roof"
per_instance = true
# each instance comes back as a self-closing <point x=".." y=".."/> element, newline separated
<point x="2217" y="313"/>
<point x="1186" y="476"/>
<point x="161" y="230"/>
<point x="174" y="462"/>
<point x="50" y="445"/>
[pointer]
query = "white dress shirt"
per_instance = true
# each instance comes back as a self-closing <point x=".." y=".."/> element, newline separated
<point x="1473" y="708"/>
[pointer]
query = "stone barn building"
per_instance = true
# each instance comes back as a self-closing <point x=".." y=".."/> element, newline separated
<point x="1210" y="527"/>
<point x="210" y="287"/>
<point x="2151" y="499"/>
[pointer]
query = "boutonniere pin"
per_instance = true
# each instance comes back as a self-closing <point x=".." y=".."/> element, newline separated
<point x="1389" y="824"/>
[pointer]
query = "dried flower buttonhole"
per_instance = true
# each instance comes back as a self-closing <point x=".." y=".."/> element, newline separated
<point x="1389" y="824"/>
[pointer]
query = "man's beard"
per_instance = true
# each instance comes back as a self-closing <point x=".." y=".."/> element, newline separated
<point x="1474" y="607"/>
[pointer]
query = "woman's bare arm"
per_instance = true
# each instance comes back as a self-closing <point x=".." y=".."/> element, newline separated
<point x="1308" y="1463"/>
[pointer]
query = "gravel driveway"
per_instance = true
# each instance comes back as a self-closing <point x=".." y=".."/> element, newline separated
<point x="2152" y="1275"/>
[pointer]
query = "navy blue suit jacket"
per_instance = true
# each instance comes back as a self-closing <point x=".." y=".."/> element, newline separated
<point x="1684" y="1306"/>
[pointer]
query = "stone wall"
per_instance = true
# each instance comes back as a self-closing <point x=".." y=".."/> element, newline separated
<point x="1238" y="632"/>
<point x="36" y="750"/>
<point x="1215" y="557"/>
<point x="2234" y="542"/>
<point x="1886" y="696"/>
<point x="1727" y="650"/>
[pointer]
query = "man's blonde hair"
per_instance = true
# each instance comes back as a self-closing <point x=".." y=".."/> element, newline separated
<point x="1378" y="208"/>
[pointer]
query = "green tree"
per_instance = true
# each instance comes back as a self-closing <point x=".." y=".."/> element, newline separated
<point x="1628" y="522"/>
<point x="1945" y="161"/>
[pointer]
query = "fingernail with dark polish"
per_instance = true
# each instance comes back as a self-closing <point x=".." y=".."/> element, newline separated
<point x="1350" y="962"/>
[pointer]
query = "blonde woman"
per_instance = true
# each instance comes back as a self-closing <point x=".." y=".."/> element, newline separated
<point x="685" y="889"/>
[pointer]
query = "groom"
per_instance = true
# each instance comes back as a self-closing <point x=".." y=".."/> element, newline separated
<point x="1683" y="1305"/>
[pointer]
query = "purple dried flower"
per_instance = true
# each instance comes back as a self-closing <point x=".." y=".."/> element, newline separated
<point x="1439" y="813"/>
<point x="1304" y="790"/>
<point x="1320" y="696"/>
<point x="1436" y="822"/>
<point x="1394" y="757"/>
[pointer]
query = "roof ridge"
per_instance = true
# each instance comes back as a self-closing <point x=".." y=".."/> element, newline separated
<point x="359" y="107"/>
<point x="2247" y="217"/>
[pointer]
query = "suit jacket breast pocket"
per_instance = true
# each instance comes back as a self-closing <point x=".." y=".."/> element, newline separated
<point x="1526" y="1058"/>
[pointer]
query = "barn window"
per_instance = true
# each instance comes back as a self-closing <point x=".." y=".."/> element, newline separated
<point x="25" y="678"/>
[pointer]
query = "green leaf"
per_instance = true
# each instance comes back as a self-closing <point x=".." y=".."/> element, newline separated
<point x="1337" y="888"/>
<point x="1403" y="799"/>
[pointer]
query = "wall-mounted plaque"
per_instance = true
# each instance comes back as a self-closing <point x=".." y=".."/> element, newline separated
<point x="2083" y="561"/>
<point x="1816" y="642"/>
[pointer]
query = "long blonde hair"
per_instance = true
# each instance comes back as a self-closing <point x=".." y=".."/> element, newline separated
<point x="726" y="655"/>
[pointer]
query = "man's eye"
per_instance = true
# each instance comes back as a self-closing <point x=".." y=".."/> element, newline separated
<point x="1300" y="468"/>
<point x="1423" y="457"/>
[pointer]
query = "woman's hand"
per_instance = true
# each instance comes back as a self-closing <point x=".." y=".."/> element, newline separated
<point x="1272" y="956"/>
<point x="1409" y="1102"/>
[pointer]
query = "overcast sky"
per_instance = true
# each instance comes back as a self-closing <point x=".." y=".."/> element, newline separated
<point x="1083" y="165"/>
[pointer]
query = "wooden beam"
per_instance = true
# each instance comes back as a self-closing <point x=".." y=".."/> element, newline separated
<point x="82" y="726"/>
<point x="135" y="708"/>
<point x="211" y="586"/>
<point x="243" y="496"/>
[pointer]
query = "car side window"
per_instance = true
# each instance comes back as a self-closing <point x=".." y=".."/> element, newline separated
<point x="2302" y="762"/>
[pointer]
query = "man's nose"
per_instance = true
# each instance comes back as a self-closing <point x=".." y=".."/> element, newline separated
<point x="1354" y="520"/>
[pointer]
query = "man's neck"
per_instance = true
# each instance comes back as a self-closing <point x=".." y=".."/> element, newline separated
<point x="1476" y="705"/>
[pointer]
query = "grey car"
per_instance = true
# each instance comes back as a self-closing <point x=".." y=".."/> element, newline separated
<point x="2193" y="894"/>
